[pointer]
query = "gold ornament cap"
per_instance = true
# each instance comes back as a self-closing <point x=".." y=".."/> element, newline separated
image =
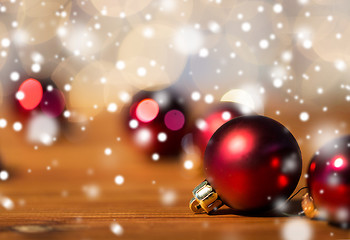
<point x="205" y="199"/>
<point x="308" y="206"/>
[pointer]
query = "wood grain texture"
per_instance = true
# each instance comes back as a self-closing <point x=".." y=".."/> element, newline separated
<point x="54" y="204"/>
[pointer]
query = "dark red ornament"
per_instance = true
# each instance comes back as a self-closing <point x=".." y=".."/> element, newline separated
<point x="157" y="120"/>
<point x="253" y="163"/>
<point x="216" y="117"/>
<point x="53" y="102"/>
<point x="329" y="180"/>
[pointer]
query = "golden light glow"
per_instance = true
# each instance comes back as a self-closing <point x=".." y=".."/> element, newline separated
<point x="150" y="61"/>
<point x="239" y="96"/>
<point x="87" y="94"/>
<point x="39" y="20"/>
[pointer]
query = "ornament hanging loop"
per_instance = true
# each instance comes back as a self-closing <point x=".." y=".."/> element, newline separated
<point x="205" y="199"/>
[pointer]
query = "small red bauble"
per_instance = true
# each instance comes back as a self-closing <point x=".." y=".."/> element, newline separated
<point x="253" y="163"/>
<point x="157" y="120"/>
<point x="206" y="127"/>
<point x="329" y="180"/>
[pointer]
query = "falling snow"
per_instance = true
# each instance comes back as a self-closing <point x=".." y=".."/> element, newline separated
<point x="119" y="180"/>
<point x="295" y="67"/>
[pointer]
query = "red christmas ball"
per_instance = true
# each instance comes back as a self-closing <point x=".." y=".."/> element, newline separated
<point x="157" y="120"/>
<point x="216" y="117"/>
<point x="329" y="180"/>
<point x="253" y="163"/>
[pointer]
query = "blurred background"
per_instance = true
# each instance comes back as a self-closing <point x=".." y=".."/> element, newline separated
<point x="287" y="60"/>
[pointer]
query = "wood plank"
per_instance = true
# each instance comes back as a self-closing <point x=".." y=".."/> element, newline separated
<point x="54" y="204"/>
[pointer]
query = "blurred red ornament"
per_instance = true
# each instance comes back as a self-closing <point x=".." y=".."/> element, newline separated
<point x="40" y="104"/>
<point x="53" y="102"/>
<point x="157" y="121"/>
<point x="29" y="94"/>
<point x="253" y="163"/>
<point x="329" y="180"/>
<point x="221" y="114"/>
<point x="32" y="93"/>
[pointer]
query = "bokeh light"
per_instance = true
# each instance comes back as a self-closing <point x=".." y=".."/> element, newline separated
<point x="29" y="94"/>
<point x="147" y="110"/>
<point x="38" y="20"/>
<point x="174" y="120"/>
<point x="297" y="229"/>
<point x="239" y="96"/>
<point x="145" y="67"/>
<point x="87" y="92"/>
<point x="42" y="129"/>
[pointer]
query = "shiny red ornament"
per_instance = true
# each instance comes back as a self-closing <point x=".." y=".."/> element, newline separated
<point x="157" y="121"/>
<point x="216" y="117"/>
<point x="253" y="163"/>
<point x="329" y="180"/>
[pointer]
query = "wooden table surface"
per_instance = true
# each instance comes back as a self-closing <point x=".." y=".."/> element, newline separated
<point x="67" y="191"/>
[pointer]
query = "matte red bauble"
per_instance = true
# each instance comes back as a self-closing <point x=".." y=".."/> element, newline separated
<point x="157" y="121"/>
<point x="253" y="163"/>
<point x="219" y="115"/>
<point x="53" y="102"/>
<point x="329" y="180"/>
